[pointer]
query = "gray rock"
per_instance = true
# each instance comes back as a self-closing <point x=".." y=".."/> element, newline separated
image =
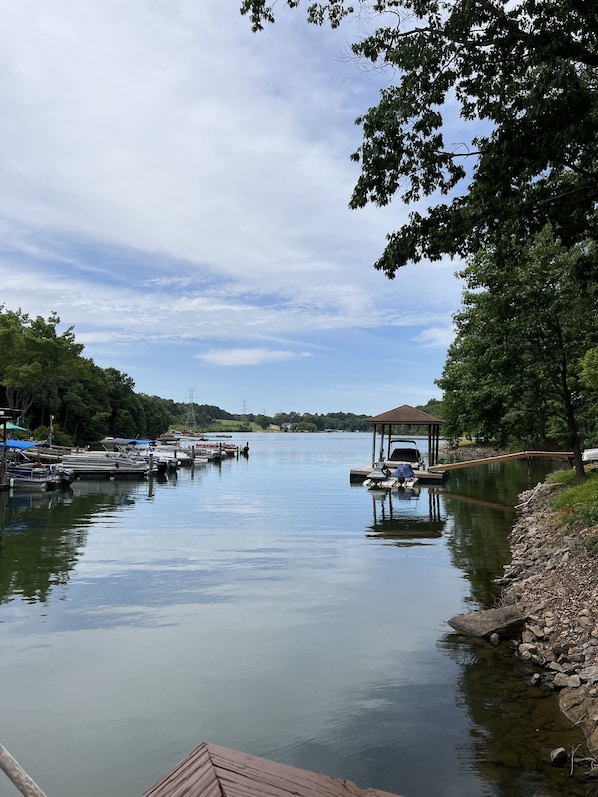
<point x="505" y="622"/>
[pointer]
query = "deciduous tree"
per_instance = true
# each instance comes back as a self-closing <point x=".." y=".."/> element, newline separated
<point x="34" y="358"/>
<point x="522" y="77"/>
<point x="528" y="318"/>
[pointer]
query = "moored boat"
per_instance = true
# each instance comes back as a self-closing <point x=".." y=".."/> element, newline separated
<point x="22" y="472"/>
<point x="382" y="477"/>
<point x="105" y="463"/>
<point x="225" y="449"/>
<point x="406" y="451"/>
<point x="31" y="476"/>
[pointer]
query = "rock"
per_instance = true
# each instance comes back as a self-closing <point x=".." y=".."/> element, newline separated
<point x="589" y="674"/>
<point x="562" y="681"/>
<point x="558" y="757"/>
<point x="505" y="622"/>
<point x="580" y="707"/>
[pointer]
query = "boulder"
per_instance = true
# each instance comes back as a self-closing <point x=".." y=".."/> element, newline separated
<point x="505" y="621"/>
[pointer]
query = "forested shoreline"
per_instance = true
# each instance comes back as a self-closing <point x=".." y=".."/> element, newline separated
<point x="61" y="392"/>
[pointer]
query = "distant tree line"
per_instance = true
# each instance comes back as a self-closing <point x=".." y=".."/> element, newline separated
<point x="341" y="421"/>
<point x="62" y="393"/>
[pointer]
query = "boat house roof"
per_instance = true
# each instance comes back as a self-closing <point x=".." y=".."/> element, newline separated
<point x="407" y="416"/>
<point x="213" y="771"/>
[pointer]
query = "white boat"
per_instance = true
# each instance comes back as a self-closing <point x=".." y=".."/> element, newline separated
<point x="384" y="478"/>
<point x="23" y="472"/>
<point x="209" y="454"/>
<point x="164" y="457"/>
<point x="590" y="455"/>
<point x="105" y="463"/>
<point x="31" y="476"/>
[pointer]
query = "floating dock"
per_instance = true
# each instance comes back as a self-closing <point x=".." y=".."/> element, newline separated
<point x="427" y="477"/>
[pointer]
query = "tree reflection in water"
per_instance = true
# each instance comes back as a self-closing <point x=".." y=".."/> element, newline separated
<point x="514" y="725"/>
<point x="43" y="535"/>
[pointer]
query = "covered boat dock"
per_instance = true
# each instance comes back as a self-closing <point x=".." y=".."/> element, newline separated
<point x="386" y="429"/>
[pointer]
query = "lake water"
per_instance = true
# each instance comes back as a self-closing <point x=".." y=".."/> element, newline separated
<point x="269" y="606"/>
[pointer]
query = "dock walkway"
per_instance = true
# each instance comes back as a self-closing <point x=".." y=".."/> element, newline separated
<point x="437" y="474"/>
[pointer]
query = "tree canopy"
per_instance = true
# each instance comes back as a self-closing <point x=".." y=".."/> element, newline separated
<point x="34" y="359"/>
<point x="515" y="372"/>
<point x="523" y="79"/>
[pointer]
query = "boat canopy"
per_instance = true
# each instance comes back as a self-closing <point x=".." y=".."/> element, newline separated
<point x="22" y="445"/>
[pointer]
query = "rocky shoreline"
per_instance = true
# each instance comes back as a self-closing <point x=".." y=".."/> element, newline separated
<point x="553" y="579"/>
<point x="549" y="613"/>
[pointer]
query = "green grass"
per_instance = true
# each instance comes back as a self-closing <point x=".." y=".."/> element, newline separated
<point x="578" y="501"/>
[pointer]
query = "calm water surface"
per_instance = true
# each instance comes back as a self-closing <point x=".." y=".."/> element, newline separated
<point x="269" y="606"/>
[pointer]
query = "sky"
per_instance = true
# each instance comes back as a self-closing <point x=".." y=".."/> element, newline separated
<point x="176" y="188"/>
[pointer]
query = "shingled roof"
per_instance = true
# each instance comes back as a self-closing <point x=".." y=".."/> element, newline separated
<point x="213" y="771"/>
<point x="406" y="415"/>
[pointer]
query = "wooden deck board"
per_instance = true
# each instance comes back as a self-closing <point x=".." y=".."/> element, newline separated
<point x="214" y="771"/>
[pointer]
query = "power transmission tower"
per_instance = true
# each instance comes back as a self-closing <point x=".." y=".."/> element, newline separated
<point x="190" y="422"/>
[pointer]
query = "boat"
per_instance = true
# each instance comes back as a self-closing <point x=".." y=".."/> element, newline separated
<point x="22" y="472"/>
<point x="36" y="476"/>
<point x="105" y="463"/>
<point x="158" y="458"/>
<point x="406" y="451"/>
<point x="31" y="476"/>
<point x="382" y="477"/>
<point x="209" y="454"/>
<point x="590" y="456"/>
<point x="225" y="449"/>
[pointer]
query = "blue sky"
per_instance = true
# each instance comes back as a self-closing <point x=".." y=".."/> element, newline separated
<point x="176" y="188"/>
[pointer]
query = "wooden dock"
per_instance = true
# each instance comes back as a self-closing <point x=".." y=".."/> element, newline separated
<point x="437" y="474"/>
<point x="427" y="477"/>
<point x="469" y="463"/>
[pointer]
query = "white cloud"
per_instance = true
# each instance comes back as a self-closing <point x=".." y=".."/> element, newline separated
<point x="235" y="357"/>
<point x="168" y="177"/>
<point x="436" y="336"/>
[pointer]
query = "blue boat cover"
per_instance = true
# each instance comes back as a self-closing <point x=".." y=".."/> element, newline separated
<point x="22" y="445"/>
<point x="405" y="470"/>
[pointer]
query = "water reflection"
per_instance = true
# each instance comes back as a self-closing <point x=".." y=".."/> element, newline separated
<point x="514" y="725"/>
<point x="406" y="517"/>
<point x="480" y="502"/>
<point x="43" y="535"/>
<point x="36" y="553"/>
<point x="295" y="617"/>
